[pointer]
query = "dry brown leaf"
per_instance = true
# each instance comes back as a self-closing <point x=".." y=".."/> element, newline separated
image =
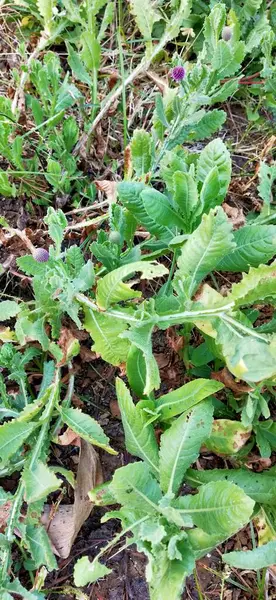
<point x="66" y="342"/>
<point x="235" y="215"/>
<point x="175" y="341"/>
<point x="64" y="527"/>
<point x="115" y="409"/>
<point x="225" y="377"/>
<point x="161" y="83"/>
<point x="108" y="187"/>
<point x="4" y="514"/>
<point x="87" y="355"/>
<point x="69" y="437"/>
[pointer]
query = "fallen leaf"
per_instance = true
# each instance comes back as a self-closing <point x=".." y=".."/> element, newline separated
<point x="108" y="187"/>
<point x="235" y="215"/>
<point x="4" y="514"/>
<point x="64" y="527"/>
<point x="175" y="341"/>
<point x="161" y="83"/>
<point x="69" y="437"/>
<point x="69" y="345"/>
<point x="115" y="409"/>
<point x="87" y="355"/>
<point x="225" y="377"/>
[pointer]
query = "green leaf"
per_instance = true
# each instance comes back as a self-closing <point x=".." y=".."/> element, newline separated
<point x="267" y="176"/>
<point x="181" y="443"/>
<point x="259" y="558"/>
<point x="78" y="69"/>
<point x="219" y="507"/>
<point x="12" y="436"/>
<point x="255" y="245"/>
<point x="40" y="548"/>
<point x="145" y="17"/>
<point x="134" y="487"/>
<point x="261" y="487"/>
<point x="136" y="370"/>
<point x="139" y="436"/>
<point x="39" y="481"/>
<point x="259" y="284"/>
<point x="91" y="50"/>
<point x="105" y="332"/>
<point x="209" y="124"/>
<point x="46" y="9"/>
<point x="111" y="289"/>
<point x="213" y="25"/>
<point x="227" y="437"/>
<point x="141" y="148"/>
<point x="8" y="309"/>
<point x="204" y="248"/>
<point x="215" y="155"/>
<point x="6" y="189"/>
<point x="140" y="336"/>
<point x="130" y="195"/>
<point x="159" y="209"/>
<point x="186" y="397"/>
<point x="56" y="221"/>
<point x="167" y="577"/>
<point x="86" y="427"/>
<point x="107" y="19"/>
<point x="185" y="196"/>
<point x="88" y="572"/>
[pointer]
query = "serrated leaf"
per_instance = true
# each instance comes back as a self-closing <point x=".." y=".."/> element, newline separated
<point x="8" y="309"/>
<point x="139" y="438"/>
<point x="140" y="336"/>
<point x="88" y="572"/>
<point x="145" y="17"/>
<point x="219" y="507"/>
<point x="91" y="50"/>
<point x="12" y="436"/>
<point x="141" y="148"/>
<point x="209" y="124"/>
<point x="255" y="245"/>
<point x="259" y="558"/>
<point x="105" y="332"/>
<point x="204" y="248"/>
<point x="259" y="284"/>
<point x="167" y="577"/>
<point x="78" y="69"/>
<point x="39" y="547"/>
<point x="181" y="443"/>
<point x="111" y="289"/>
<point x="261" y="487"/>
<point x="186" y="397"/>
<point x="39" y="481"/>
<point x="46" y="9"/>
<point x="86" y="427"/>
<point x="30" y="266"/>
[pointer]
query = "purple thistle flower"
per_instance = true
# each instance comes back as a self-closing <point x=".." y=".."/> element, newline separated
<point x="41" y="255"/>
<point x="178" y="73"/>
<point x="226" y="33"/>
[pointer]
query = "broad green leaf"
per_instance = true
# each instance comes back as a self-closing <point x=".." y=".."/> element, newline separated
<point x="40" y="548"/>
<point x="78" y="69"/>
<point x="130" y="195"/>
<point x="15" y="587"/>
<point x="267" y="176"/>
<point x="167" y="577"/>
<point x="91" y="50"/>
<point x="186" y="397"/>
<point x="259" y="558"/>
<point x="139" y="437"/>
<point x="88" y="572"/>
<point x="227" y="437"/>
<point x="159" y="209"/>
<point x="202" y="543"/>
<point x="8" y="309"/>
<point x="111" y="289"/>
<point x="107" y="19"/>
<point x="136" y="370"/>
<point x="185" y="196"/>
<point x="261" y="487"/>
<point x="204" y="248"/>
<point x="209" y="124"/>
<point x="134" y="487"/>
<point x="86" y="427"/>
<point x="215" y="155"/>
<point x="255" y="245"/>
<point x="250" y="7"/>
<point x="105" y="332"/>
<point x="46" y="9"/>
<point x="213" y="25"/>
<point x="56" y="221"/>
<point x="145" y="17"/>
<point x="259" y="284"/>
<point x="210" y="191"/>
<point x="140" y="336"/>
<point x="39" y="481"/>
<point x="6" y="189"/>
<point x="12" y="436"/>
<point x="141" y="148"/>
<point x="219" y="507"/>
<point x="181" y="443"/>
<point x="227" y="58"/>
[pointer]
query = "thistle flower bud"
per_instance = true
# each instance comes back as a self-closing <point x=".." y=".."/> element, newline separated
<point x="114" y="237"/>
<point x="178" y="73"/>
<point x="226" y="33"/>
<point x="41" y="255"/>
